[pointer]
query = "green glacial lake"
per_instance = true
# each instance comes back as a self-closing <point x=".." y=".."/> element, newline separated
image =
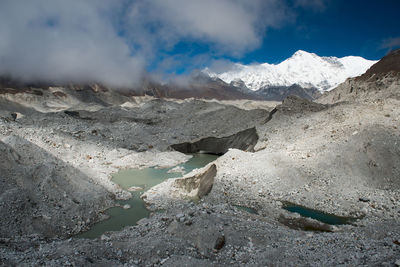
<point x="144" y="178"/>
<point x="324" y="217"/>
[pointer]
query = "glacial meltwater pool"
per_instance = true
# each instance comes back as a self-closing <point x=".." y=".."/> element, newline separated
<point x="319" y="215"/>
<point x="144" y="178"/>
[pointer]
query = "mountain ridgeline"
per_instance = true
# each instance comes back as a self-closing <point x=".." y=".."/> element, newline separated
<point x="304" y="74"/>
<point x="381" y="81"/>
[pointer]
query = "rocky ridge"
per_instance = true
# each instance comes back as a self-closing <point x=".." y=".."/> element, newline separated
<point x="380" y="82"/>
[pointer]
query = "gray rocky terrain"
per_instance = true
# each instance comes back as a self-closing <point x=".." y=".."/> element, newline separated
<point x="339" y="156"/>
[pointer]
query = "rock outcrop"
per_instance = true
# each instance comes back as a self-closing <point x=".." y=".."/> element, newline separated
<point x="243" y="140"/>
<point x="198" y="185"/>
<point x="192" y="186"/>
<point x="294" y="104"/>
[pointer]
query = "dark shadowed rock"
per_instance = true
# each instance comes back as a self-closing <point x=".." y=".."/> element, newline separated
<point x="220" y="242"/>
<point x="244" y="140"/>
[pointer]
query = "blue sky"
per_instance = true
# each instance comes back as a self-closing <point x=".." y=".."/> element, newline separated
<point x="117" y="42"/>
<point x="343" y="27"/>
<point x="366" y="28"/>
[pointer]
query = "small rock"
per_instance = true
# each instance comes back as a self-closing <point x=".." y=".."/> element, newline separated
<point x="363" y="199"/>
<point x="17" y="115"/>
<point x="397" y="263"/>
<point x="364" y="210"/>
<point x="220" y="242"/>
<point x="46" y="217"/>
<point x="177" y="169"/>
<point x="180" y="215"/>
<point x="165" y="219"/>
<point x="134" y="188"/>
<point x="104" y="237"/>
<point x="67" y="146"/>
<point x="126" y="206"/>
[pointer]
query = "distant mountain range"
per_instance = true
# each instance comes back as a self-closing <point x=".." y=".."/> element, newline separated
<point x="304" y="69"/>
<point x="304" y="74"/>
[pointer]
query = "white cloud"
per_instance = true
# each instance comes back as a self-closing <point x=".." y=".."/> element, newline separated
<point x="81" y="40"/>
<point x="231" y="26"/>
<point x="64" y="41"/>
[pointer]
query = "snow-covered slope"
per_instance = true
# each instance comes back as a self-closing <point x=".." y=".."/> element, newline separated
<point x="303" y="68"/>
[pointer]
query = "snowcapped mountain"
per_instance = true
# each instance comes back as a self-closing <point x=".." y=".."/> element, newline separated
<point x="305" y="69"/>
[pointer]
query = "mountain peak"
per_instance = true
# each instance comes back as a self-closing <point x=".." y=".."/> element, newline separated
<point x="305" y="69"/>
<point x="301" y="53"/>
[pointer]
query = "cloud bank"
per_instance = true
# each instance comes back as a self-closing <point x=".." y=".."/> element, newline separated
<point x="231" y="26"/>
<point x="113" y="42"/>
<point x="64" y="41"/>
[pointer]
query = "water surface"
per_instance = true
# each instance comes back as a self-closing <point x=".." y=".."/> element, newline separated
<point x="318" y="215"/>
<point x="144" y="178"/>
